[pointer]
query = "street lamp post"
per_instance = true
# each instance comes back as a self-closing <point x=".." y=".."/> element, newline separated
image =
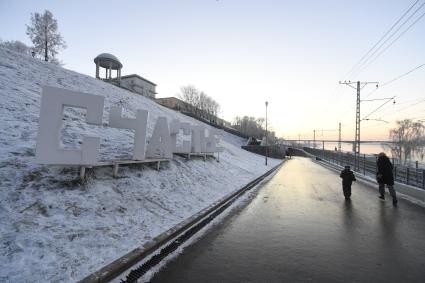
<point x="266" y="132"/>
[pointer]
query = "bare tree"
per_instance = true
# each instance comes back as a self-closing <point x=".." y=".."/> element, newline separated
<point x="203" y="103"/>
<point x="45" y="36"/>
<point x="16" y="46"/>
<point x="408" y="138"/>
<point x="253" y="127"/>
<point x="189" y="94"/>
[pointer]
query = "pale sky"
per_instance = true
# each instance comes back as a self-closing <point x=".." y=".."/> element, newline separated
<point x="243" y="53"/>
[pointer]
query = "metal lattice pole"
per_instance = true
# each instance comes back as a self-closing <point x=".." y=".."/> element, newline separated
<point x="359" y="86"/>
<point x="357" y="136"/>
<point x="339" y="138"/>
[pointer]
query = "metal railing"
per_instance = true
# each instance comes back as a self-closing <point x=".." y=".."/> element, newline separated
<point x="413" y="176"/>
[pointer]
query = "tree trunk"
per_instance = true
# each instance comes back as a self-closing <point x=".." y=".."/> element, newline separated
<point x="46" y="58"/>
<point x="45" y="51"/>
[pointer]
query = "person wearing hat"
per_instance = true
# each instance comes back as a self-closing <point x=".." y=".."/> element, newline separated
<point x="347" y="179"/>
<point x="384" y="176"/>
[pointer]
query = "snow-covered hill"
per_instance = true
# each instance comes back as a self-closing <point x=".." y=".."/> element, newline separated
<point x="54" y="229"/>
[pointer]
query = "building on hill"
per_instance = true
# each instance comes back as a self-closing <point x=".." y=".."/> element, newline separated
<point x="138" y="84"/>
<point x="133" y="83"/>
<point x="190" y="110"/>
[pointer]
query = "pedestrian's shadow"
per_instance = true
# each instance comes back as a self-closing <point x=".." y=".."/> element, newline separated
<point x="388" y="220"/>
<point x="348" y="215"/>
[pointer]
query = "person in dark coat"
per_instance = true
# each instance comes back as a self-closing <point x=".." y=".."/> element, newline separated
<point x="384" y="176"/>
<point x="289" y="152"/>
<point x="347" y="179"/>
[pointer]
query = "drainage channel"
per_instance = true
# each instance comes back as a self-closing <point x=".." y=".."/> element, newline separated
<point x="138" y="272"/>
<point x="168" y="242"/>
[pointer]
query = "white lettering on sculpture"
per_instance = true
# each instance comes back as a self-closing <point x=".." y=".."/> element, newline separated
<point x="53" y="102"/>
<point x="175" y="127"/>
<point x="212" y="140"/>
<point x="160" y="143"/>
<point x="198" y="139"/>
<point x="138" y="125"/>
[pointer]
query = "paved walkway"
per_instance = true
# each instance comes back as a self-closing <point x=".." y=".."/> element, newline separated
<point x="299" y="228"/>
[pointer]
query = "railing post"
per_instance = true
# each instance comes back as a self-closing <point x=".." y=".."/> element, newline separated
<point x="423" y="179"/>
<point x="408" y="174"/>
<point x="416" y="173"/>
<point x="395" y="173"/>
<point x="339" y="158"/>
<point x="349" y="160"/>
<point x="364" y="164"/>
<point x="376" y="165"/>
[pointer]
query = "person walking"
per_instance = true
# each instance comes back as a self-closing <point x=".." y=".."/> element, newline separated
<point x="289" y="152"/>
<point x="347" y="179"/>
<point x="384" y="176"/>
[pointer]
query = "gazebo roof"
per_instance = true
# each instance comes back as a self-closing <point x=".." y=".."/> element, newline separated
<point x="107" y="60"/>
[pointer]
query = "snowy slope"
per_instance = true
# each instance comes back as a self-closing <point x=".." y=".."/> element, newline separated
<point x="54" y="229"/>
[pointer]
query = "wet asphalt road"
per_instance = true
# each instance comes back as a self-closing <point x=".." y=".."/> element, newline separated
<point x="299" y="228"/>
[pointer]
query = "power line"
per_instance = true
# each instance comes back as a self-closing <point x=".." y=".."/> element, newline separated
<point x="411" y="105"/>
<point x="380" y="40"/>
<point x="406" y="115"/>
<point x="396" y="79"/>
<point x="381" y="124"/>
<point x="401" y="76"/>
<point x="392" y="42"/>
<point x="382" y="105"/>
<point x="417" y="113"/>
<point x="368" y="59"/>
<point x="410" y="100"/>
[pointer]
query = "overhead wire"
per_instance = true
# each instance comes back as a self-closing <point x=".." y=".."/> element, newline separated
<point x="412" y="105"/>
<point x="380" y="40"/>
<point x="379" y="107"/>
<point x="388" y="46"/>
<point x="360" y="62"/>
<point x="395" y="79"/>
<point x="367" y="59"/>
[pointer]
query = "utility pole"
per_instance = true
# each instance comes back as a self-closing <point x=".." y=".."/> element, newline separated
<point x="339" y="138"/>
<point x="360" y="86"/>
<point x="314" y="138"/>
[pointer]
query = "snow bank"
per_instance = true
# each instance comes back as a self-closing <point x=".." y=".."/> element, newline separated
<point x="54" y="229"/>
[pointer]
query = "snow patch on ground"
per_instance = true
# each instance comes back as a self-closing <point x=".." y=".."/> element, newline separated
<point x="55" y="229"/>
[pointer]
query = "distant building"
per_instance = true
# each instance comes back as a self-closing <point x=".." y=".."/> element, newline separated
<point x="186" y="108"/>
<point x="176" y="104"/>
<point x="138" y="84"/>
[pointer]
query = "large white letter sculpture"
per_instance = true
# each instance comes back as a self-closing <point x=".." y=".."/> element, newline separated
<point x="198" y="139"/>
<point x="53" y="101"/>
<point x="175" y="127"/>
<point x="212" y="140"/>
<point x="138" y="125"/>
<point x="160" y="143"/>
